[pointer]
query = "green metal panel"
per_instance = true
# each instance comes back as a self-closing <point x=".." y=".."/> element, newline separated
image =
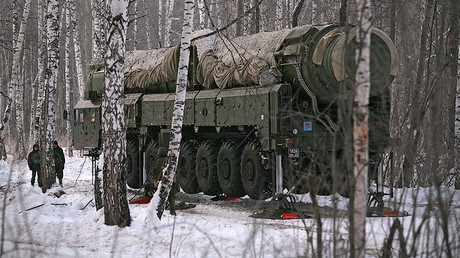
<point x="132" y="114"/>
<point x="243" y="106"/>
<point x="153" y="109"/>
<point x="189" y="109"/>
<point x="169" y="108"/>
<point x="87" y="124"/>
<point x="205" y="108"/>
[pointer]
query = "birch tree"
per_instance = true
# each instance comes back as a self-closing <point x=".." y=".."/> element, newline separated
<point x="255" y="17"/>
<point x="160" y="36"/>
<point x="77" y="49"/>
<point x="135" y="27"/>
<point x="158" y="203"/>
<point x="147" y="25"/>
<point x="49" y="175"/>
<point x="410" y="149"/>
<point x="453" y="55"/>
<point x="68" y="88"/>
<point x="15" y="83"/>
<point x="296" y="13"/>
<point x="280" y="12"/>
<point x="98" y="9"/>
<point x="202" y="14"/>
<point x="20" y="152"/>
<point x="42" y="60"/>
<point x="360" y="126"/>
<point x="116" y="208"/>
<point x="169" y="31"/>
<point x="239" y="23"/>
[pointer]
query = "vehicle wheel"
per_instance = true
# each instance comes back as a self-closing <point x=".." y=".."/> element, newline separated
<point x="186" y="168"/>
<point x="254" y="177"/>
<point x="228" y="170"/>
<point x="133" y="178"/>
<point x="206" y="168"/>
<point x="150" y="155"/>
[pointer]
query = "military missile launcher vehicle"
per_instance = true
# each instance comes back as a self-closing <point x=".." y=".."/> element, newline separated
<point x="261" y="112"/>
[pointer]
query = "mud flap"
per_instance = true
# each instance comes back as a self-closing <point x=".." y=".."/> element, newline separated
<point x="140" y="200"/>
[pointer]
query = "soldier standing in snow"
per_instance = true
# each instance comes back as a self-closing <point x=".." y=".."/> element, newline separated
<point x="157" y="170"/>
<point x="59" y="161"/>
<point x="33" y="160"/>
<point x="154" y="176"/>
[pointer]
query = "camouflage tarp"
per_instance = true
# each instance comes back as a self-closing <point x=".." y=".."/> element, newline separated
<point x="164" y="71"/>
<point x="224" y="63"/>
<point x="211" y="72"/>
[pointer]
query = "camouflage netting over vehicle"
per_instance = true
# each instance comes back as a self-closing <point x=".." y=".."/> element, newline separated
<point x="223" y="63"/>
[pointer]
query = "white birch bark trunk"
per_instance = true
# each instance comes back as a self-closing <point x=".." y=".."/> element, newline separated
<point x="161" y="37"/>
<point x="51" y="86"/>
<point x="42" y="60"/>
<point x="213" y="10"/>
<point x="16" y="88"/>
<point x="247" y="19"/>
<point x="202" y="13"/>
<point x="104" y="12"/>
<point x="14" y="20"/>
<point x="360" y="126"/>
<point x="135" y="26"/>
<point x="279" y="14"/>
<point x="255" y="17"/>
<point x="457" y="135"/>
<point x="68" y="87"/>
<point x="158" y="202"/>
<point x="116" y="208"/>
<point x="147" y="25"/>
<point x="77" y="50"/>
<point x="33" y="111"/>
<point x="220" y="6"/>
<point x="263" y="19"/>
<point x="95" y="12"/>
<point x="454" y="73"/>
<point x="169" y="32"/>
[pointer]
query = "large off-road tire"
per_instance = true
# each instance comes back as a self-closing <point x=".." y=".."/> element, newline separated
<point x="254" y="177"/>
<point x="186" y="168"/>
<point x="133" y="177"/>
<point x="228" y="170"/>
<point x="150" y="155"/>
<point x="206" y="168"/>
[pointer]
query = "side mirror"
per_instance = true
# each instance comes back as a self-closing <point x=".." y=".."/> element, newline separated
<point x="65" y="115"/>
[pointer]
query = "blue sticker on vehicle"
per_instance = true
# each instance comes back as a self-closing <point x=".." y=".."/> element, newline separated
<point x="307" y="126"/>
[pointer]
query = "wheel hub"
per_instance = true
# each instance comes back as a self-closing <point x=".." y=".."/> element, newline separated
<point x="225" y="166"/>
<point x="203" y="168"/>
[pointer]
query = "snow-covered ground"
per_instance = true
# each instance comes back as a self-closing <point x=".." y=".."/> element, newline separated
<point x="70" y="226"/>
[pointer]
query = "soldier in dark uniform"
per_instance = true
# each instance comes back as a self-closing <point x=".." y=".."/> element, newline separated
<point x="59" y="161"/>
<point x="157" y="170"/>
<point x="33" y="160"/>
<point x="155" y="174"/>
